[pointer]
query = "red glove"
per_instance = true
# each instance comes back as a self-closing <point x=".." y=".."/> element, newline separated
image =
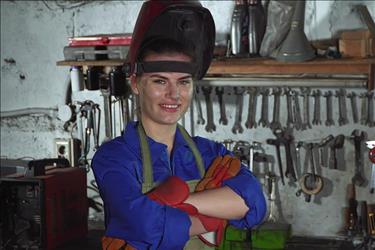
<point x="221" y="169"/>
<point x="172" y="192"/>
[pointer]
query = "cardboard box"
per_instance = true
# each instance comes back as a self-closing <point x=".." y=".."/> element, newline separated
<point x="357" y="43"/>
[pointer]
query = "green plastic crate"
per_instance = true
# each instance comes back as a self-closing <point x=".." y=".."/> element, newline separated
<point x="235" y="239"/>
<point x="270" y="236"/>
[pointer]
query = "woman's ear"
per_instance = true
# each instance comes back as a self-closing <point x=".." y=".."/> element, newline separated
<point x="133" y="84"/>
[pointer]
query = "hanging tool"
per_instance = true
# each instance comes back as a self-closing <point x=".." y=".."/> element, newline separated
<point x="371" y="155"/>
<point x="353" y="103"/>
<point x="322" y="145"/>
<point x="274" y="213"/>
<point x="107" y="104"/>
<point x="283" y="138"/>
<point x="329" y="120"/>
<point x="336" y="144"/>
<point x="200" y="119"/>
<point x="252" y="108"/>
<point x="311" y="183"/>
<point x="90" y="124"/>
<point x="210" y="127"/>
<point x="276" y="92"/>
<point x="358" y="138"/>
<point x="264" y="110"/>
<point x="223" y="117"/>
<point x="237" y="127"/>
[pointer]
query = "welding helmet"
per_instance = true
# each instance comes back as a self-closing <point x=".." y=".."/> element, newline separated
<point x="183" y="21"/>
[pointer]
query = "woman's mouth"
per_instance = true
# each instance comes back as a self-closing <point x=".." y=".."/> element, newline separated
<point x="170" y="107"/>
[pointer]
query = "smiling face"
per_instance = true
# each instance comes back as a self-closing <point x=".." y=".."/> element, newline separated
<point x="164" y="97"/>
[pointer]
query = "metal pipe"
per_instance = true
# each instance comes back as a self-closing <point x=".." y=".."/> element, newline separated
<point x="51" y="112"/>
<point x="287" y="82"/>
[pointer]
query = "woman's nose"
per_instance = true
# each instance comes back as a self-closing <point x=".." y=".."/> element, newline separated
<point x="174" y="91"/>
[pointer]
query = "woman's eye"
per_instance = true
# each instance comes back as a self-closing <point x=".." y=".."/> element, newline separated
<point x="185" y="82"/>
<point x="159" y="81"/>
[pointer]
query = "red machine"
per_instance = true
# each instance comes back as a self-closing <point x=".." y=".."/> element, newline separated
<point x="43" y="212"/>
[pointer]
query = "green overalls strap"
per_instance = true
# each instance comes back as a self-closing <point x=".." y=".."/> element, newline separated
<point x="148" y="180"/>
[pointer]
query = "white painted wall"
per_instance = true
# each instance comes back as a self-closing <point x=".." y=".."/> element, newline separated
<point x="33" y="33"/>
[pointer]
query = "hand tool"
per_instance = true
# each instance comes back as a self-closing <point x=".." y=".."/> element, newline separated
<point x="276" y="92"/>
<point x="107" y="103"/>
<point x="371" y="156"/>
<point x="200" y="119"/>
<point x="306" y="110"/>
<point x="300" y="144"/>
<point x="364" y="110"/>
<point x="223" y="117"/>
<point x="311" y="183"/>
<point x="353" y="103"/>
<point x="210" y="127"/>
<point x="343" y="119"/>
<point x="337" y="144"/>
<point x="370" y="109"/>
<point x="252" y="108"/>
<point x="352" y="222"/>
<point x="264" y="114"/>
<point x="237" y="127"/>
<point x="316" y="120"/>
<point x="289" y="107"/>
<point x="358" y="138"/>
<point x="297" y="111"/>
<point x="253" y="157"/>
<point x="323" y="143"/>
<point x="241" y="150"/>
<point x="329" y="120"/>
<point x="274" y="214"/>
<point x="277" y="143"/>
<point x="286" y="139"/>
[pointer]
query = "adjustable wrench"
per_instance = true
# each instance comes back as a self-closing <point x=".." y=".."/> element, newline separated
<point x="210" y="127"/>
<point x="358" y="138"/>
<point x="343" y="119"/>
<point x="237" y="127"/>
<point x="276" y="92"/>
<point x="289" y="107"/>
<point x="329" y="120"/>
<point x="250" y="122"/>
<point x="306" y="110"/>
<point x="316" y="120"/>
<point x="264" y="114"/>
<point x="223" y="117"/>
<point x="353" y="102"/>
<point x="297" y="111"/>
<point x="199" y="107"/>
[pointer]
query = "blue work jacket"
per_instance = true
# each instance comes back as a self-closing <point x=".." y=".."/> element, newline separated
<point x="132" y="216"/>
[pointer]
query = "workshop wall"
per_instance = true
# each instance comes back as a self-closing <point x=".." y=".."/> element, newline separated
<point x="34" y="33"/>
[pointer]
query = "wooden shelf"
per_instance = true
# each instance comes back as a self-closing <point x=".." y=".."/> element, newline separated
<point x="259" y="66"/>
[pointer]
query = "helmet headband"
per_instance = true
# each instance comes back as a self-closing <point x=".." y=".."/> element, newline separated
<point x="165" y="66"/>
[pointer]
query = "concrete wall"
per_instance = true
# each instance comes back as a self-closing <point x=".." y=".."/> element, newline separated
<point x="33" y="34"/>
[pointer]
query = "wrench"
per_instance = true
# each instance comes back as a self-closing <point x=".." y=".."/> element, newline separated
<point x="323" y="143"/>
<point x="210" y="127"/>
<point x="370" y="109"/>
<point x="358" y="138"/>
<point x="250" y="122"/>
<point x="290" y="119"/>
<point x="276" y="92"/>
<point x="264" y="115"/>
<point x="337" y="143"/>
<point x="297" y="111"/>
<point x="343" y="119"/>
<point x="353" y="102"/>
<point x="364" y="112"/>
<point x="237" y="127"/>
<point x="199" y="107"/>
<point x="277" y="143"/>
<point x="286" y="139"/>
<point x="223" y="117"/>
<point x="316" y="94"/>
<point x="329" y="121"/>
<point x="306" y="110"/>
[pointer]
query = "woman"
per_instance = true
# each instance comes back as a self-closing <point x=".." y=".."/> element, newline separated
<point x="138" y="211"/>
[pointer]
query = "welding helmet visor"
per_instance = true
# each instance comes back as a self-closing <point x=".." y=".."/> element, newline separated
<point x="186" y="22"/>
